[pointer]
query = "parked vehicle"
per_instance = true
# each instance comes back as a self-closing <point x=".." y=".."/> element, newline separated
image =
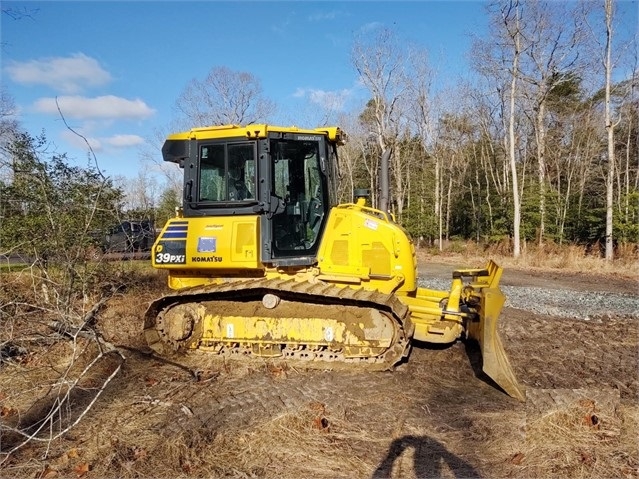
<point x="130" y="236"/>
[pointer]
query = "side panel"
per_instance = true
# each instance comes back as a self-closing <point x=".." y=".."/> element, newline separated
<point x="208" y="244"/>
<point x="363" y="247"/>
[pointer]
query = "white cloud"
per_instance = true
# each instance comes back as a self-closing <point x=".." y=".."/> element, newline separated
<point x="300" y="93"/>
<point x="124" y="141"/>
<point x="371" y="26"/>
<point x="329" y="100"/>
<point x="64" y="74"/>
<point x="77" y="141"/>
<point x="101" y="107"/>
<point x="322" y="16"/>
<point x="100" y="143"/>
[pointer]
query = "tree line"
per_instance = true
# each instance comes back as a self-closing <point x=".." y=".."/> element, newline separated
<point x="540" y="147"/>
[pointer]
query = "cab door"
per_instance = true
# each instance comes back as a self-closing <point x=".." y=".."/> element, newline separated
<point x="298" y="200"/>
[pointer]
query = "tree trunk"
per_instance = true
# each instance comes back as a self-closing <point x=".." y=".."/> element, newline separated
<point x="541" y="167"/>
<point x="438" y="208"/>
<point x="448" y="201"/>
<point x="511" y="143"/>
<point x="610" y="129"/>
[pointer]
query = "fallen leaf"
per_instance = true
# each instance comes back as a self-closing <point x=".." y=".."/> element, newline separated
<point x="591" y="420"/>
<point x="186" y="466"/>
<point x="139" y="453"/>
<point x="6" y="411"/>
<point x="48" y="473"/>
<point x="150" y="381"/>
<point x="517" y="459"/>
<point x="587" y="458"/>
<point x="321" y="423"/>
<point x="81" y="469"/>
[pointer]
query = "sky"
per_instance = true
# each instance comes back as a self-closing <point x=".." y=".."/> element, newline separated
<point x="114" y="70"/>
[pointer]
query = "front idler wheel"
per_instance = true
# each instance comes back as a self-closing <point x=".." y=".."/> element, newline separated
<point x="178" y="325"/>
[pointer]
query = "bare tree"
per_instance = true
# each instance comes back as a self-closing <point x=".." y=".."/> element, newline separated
<point x="169" y="174"/>
<point x="610" y="128"/>
<point x="349" y="157"/>
<point x="511" y="21"/>
<point x="631" y="116"/>
<point x="499" y="60"/>
<point x="617" y="99"/>
<point x="141" y="193"/>
<point x="506" y="19"/>
<point x="8" y="122"/>
<point x="420" y="112"/>
<point x="549" y="60"/>
<point x="224" y="97"/>
<point x="20" y="13"/>
<point x="380" y="63"/>
<point x="9" y="128"/>
<point x="421" y="116"/>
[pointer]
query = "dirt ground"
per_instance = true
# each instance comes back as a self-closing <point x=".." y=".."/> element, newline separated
<point x="434" y="416"/>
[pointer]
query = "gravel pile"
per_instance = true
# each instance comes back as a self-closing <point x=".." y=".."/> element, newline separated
<point x="586" y="305"/>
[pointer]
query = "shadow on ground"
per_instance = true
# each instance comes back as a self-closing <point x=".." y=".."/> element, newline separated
<point x="429" y="456"/>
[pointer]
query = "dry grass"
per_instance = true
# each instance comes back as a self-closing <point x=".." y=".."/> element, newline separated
<point x="142" y="440"/>
<point x="145" y="424"/>
<point x="573" y="258"/>
<point x="129" y="441"/>
<point x="50" y="378"/>
<point x="308" y="442"/>
<point x="589" y="435"/>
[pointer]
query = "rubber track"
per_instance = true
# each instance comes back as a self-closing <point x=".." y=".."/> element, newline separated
<point x="287" y="289"/>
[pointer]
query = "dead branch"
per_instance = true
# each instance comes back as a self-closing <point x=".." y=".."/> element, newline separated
<point x="73" y="332"/>
<point x="68" y="330"/>
<point x="55" y="411"/>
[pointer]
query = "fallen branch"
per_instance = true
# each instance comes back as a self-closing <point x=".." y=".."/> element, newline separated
<point x="72" y="332"/>
<point x="54" y="412"/>
<point x="67" y="330"/>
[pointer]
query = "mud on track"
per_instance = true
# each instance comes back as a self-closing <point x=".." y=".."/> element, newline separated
<point x="434" y="416"/>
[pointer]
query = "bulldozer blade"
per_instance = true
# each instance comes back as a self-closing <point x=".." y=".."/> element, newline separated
<point x="495" y="361"/>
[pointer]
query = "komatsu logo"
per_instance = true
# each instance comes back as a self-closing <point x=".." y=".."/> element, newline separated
<point x="206" y="259"/>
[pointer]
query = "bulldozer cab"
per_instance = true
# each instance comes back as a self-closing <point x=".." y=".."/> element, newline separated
<point x="286" y="176"/>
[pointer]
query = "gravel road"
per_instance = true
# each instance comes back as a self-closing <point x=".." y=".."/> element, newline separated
<point x="587" y="297"/>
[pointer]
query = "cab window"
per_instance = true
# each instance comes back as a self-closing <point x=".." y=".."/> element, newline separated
<point x="227" y="172"/>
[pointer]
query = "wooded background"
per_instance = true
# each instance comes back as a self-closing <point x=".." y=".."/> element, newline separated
<point x="541" y="147"/>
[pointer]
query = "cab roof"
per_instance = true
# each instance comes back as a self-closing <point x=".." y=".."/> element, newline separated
<point x="333" y="133"/>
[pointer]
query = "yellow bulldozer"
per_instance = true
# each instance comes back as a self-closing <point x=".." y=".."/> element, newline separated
<point x="265" y="262"/>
